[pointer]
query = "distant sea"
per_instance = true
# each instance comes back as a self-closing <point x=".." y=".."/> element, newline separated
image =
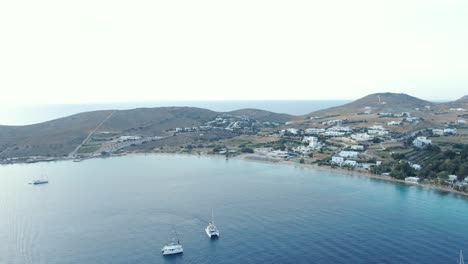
<point x="31" y="114"/>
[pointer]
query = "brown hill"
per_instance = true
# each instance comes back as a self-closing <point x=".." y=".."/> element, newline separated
<point x="379" y="102"/>
<point x="261" y="115"/>
<point x="61" y="136"/>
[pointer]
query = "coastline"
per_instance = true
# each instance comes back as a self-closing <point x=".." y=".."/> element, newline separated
<point x="263" y="159"/>
<point x="361" y="173"/>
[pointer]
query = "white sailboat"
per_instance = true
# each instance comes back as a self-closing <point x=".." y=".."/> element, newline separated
<point x="461" y="258"/>
<point x="211" y="230"/>
<point x="42" y="180"/>
<point x="173" y="248"/>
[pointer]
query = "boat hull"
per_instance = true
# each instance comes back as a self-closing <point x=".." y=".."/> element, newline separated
<point x="210" y="234"/>
<point x="40" y="182"/>
<point x="172" y="250"/>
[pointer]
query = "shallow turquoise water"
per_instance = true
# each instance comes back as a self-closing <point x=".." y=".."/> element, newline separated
<point x="122" y="210"/>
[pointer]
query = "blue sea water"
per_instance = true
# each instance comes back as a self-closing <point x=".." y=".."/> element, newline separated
<point x="30" y="114"/>
<point x="123" y="210"/>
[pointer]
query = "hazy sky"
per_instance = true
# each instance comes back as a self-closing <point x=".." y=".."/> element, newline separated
<point x="103" y="51"/>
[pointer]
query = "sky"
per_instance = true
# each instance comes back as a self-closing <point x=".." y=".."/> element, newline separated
<point x="92" y="51"/>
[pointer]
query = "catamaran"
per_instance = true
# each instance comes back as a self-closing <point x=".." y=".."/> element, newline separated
<point x="211" y="230"/>
<point x="173" y="248"/>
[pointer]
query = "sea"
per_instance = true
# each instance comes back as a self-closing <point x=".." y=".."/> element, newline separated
<point x="31" y="114"/>
<point x="125" y="209"/>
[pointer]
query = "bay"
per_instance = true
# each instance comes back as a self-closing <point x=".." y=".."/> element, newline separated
<point x="123" y="210"/>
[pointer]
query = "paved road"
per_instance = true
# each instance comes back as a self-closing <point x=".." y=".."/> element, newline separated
<point x="90" y="135"/>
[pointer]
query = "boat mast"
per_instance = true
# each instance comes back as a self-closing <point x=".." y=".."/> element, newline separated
<point x="212" y="217"/>
<point x="177" y="237"/>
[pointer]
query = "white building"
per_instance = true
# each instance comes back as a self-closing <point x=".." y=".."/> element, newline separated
<point x="421" y="142"/>
<point x="340" y="129"/>
<point x="452" y="178"/>
<point x="416" y="166"/>
<point x="348" y="154"/>
<point x="351" y="163"/>
<point x="312" y="141"/>
<point x="125" y="138"/>
<point x="377" y="132"/>
<point x="357" y="147"/>
<point x="438" y="132"/>
<point x="337" y="160"/>
<point x="457" y="109"/>
<point x="292" y="131"/>
<point x="376" y="127"/>
<point x="314" y="131"/>
<point x="362" y="137"/>
<point x="450" y="131"/>
<point x="461" y="122"/>
<point x="394" y="123"/>
<point x="334" y="134"/>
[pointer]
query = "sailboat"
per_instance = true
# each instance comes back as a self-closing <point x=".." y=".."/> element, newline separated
<point x="42" y="180"/>
<point x="173" y="248"/>
<point x="461" y="258"/>
<point x="211" y="230"/>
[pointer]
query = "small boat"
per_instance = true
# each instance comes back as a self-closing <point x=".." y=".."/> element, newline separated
<point x="41" y="180"/>
<point x="211" y="230"/>
<point x="36" y="182"/>
<point x="173" y="248"/>
<point x="461" y="258"/>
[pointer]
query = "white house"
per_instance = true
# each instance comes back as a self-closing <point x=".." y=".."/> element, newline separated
<point x="394" y="123"/>
<point x="416" y="166"/>
<point x="362" y="137"/>
<point x="340" y="129"/>
<point x="421" y="142"/>
<point x="452" y="178"/>
<point x="377" y="132"/>
<point x="313" y="141"/>
<point x="357" y="147"/>
<point x="377" y="127"/>
<point x="337" y="160"/>
<point x="438" y="132"/>
<point x="450" y="131"/>
<point x="292" y="131"/>
<point x="348" y="154"/>
<point x="125" y="138"/>
<point x="334" y="134"/>
<point x="314" y="131"/>
<point x="351" y="163"/>
<point x="457" y="109"/>
<point x="461" y="122"/>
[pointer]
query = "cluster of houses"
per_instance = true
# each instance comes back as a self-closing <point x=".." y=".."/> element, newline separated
<point x="453" y="180"/>
<point x="238" y="124"/>
<point x="444" y="132"/>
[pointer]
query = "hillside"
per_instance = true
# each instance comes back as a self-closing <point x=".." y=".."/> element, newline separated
<point x="61" y="136"/>
<point x="262" y="115"/>
<point x="375" y="103"/>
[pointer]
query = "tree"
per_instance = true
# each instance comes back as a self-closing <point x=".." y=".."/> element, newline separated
<point x="247" y="150"/>
<point x="302" y="161"/>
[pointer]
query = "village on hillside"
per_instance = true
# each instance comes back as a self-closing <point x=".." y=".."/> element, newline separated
<point x="422" y="143"/>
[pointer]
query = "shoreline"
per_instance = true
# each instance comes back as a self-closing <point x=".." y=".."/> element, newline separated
<point x="359" y="173"/>
<point x="263" y="159"/>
